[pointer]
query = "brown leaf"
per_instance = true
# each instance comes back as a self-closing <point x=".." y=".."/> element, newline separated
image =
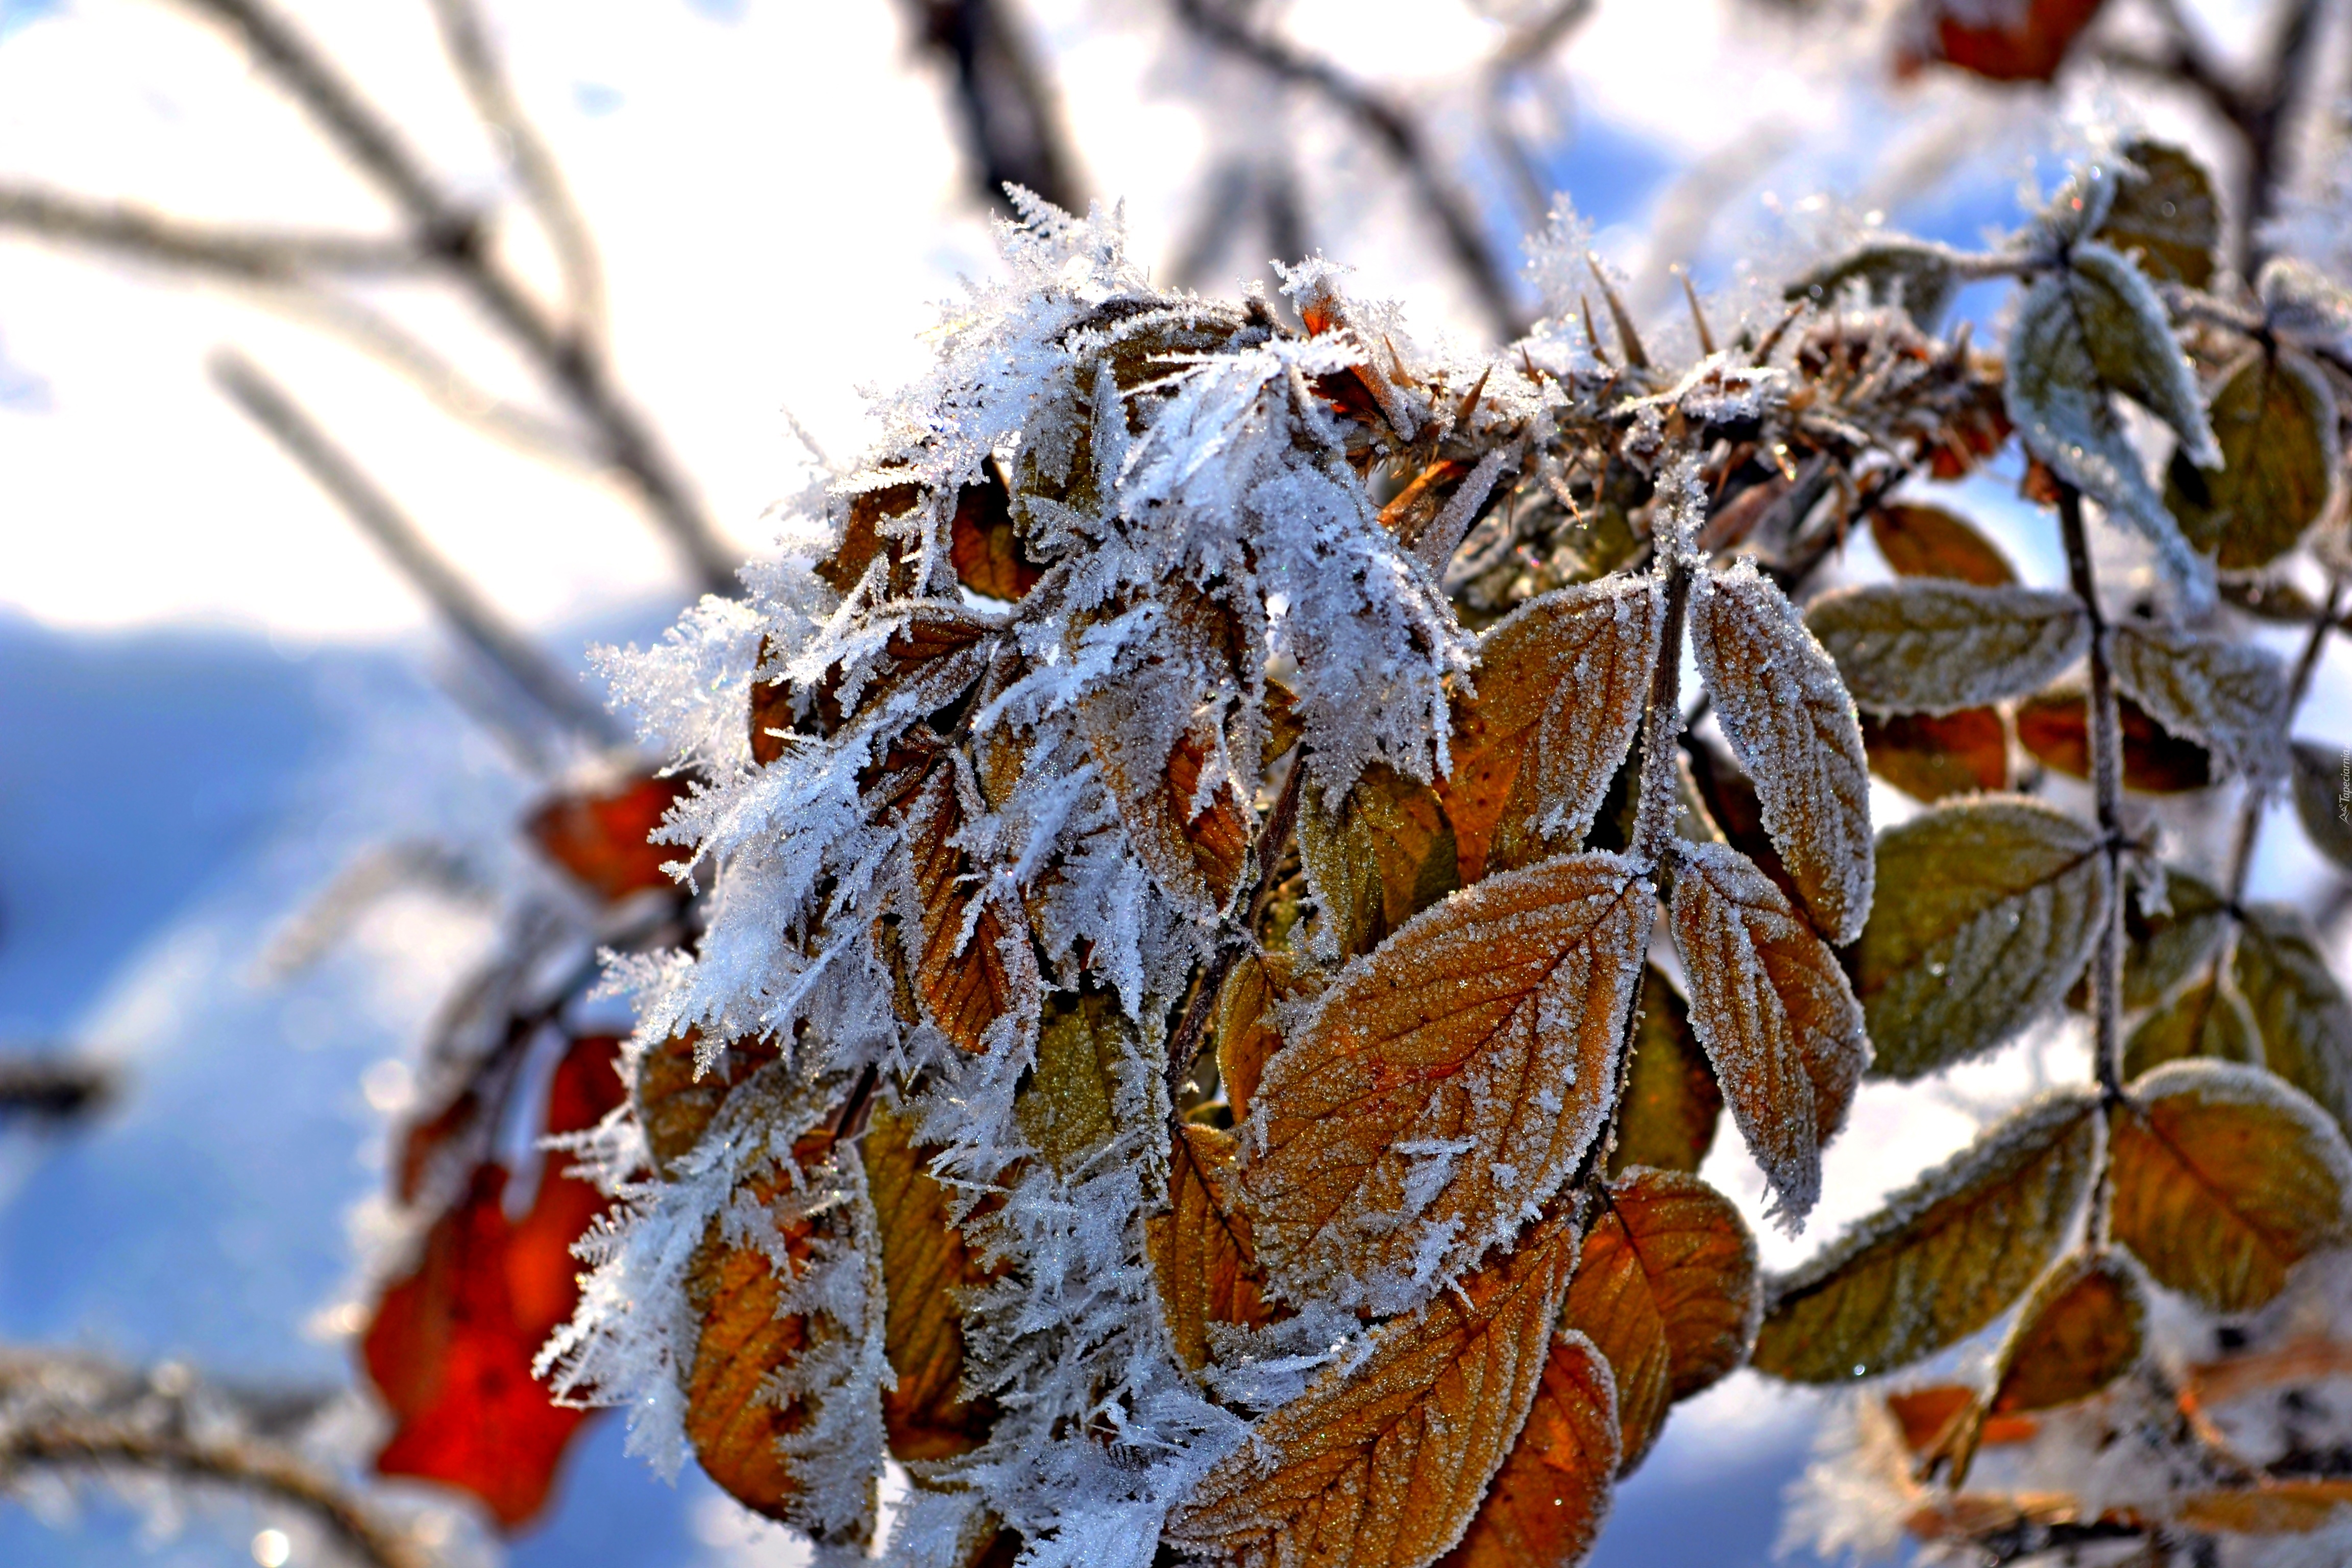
<point x="2276" y="419"/>
<point x="2081" y="1328"/>
<point x="861" y="536"/>
<point x="2271" y="1507"/>
<point x="1930" y="1418"/>
<point x="1447" y="1082"/>
<point x="2322" y="801"/>
<point x="1930" y="541"/>
<point x="934" y="653"/>
<point x="1668" y="1289"/>
<point x="1943" y="1259"/>
<point x="2168" y="216"/>
<point x="925" y="1264"/>
<point x="1932" y="759"/>
<point x="963" y="969"/>
<point x="2055" y="727"/>
<point x="1562" y="684"/>
<point x="1667" y="1116"/>
<point x="1547" y="1503"/>
<point x="1775" y="1012"/>
<point x="1249" y="1030"/>
<point x="1195" y="850"/>
<point x="603" y="838"/>
<point x="1383" y="1466"/>
<point x="2229" y="697"/>
<point x="1200" y="1250"/>
<point x="2225" y="1177"/>
<point x="676" y="1100"/>
<point x="1795" y="729"/>
<point x="2206" y="1020"/>
<point x="1388" y="852"/>
<point x="2026" y="43"/>
<point x="2299" y="1009"/>
<point x="982" y="545"/>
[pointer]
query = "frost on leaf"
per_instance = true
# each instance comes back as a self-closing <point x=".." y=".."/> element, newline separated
<point x="2231" y="697"/>
<point x="1668" y="1289"/>
<point x="1937" y="647"/>
<point x="1201" y="1252"/>
<point x="1667" y="1117"/>
<point x="2275" y="420"/>
<point x="1776" y="1015"/>
<point x="1928" y="541"/>
<point x="1546" y="1506"/>
<point x="1989" y="909"/>
<point x="2226" y="1177"/>
<point x="1249" y="1024"/>
<point x="1944" y="1257"/>
<point x="1788" y="718"/>
<point x="1562" y="684"/>
<point x="2318" y="776"/>
<point x="2209" y="1019"/>
<point x="2164" y="214"/>
<point x="1381" y="1465"/>
<point x="1375" y="857"/>
<point x="1447" y="1084"/>
<point x="1932" y="759"/>
<point x="927" y="1267"/>
<point x="2086" y="329"/>
<point x="2162" y="949"/>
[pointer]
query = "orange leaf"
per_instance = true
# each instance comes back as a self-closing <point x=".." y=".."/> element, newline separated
<point x="1561" y="683"/>
<point x="925" y="1265"/>
<point x="2079" y="1331"/>
<point x="603" y="839"/>
<point x="1668" y="1289"/>
<point x="1200" y="1248"/>
<point x="960" y="970"/>
<point x="1386" y="1464"/>
<point x="1667" y="1116"/>
<point x="1928" y="541"/>
<point x="982" y="544"/>
<point x="1775" y="1012"/>
<point x="1248" y="1030"/>
<point x="2055" y="727"/>
<point x="861" y="535"/>
<point x="1547" y="1501"/>
<point x="1931" y="758"/>
<point x="2028" y="45"/>
<point x="1151" y="758"/>
<point x="1447" y="1082"/>
<point x="2274" y="1508"/>
<point x="2225" y="1177"/>
<point x="676" y="1102"/>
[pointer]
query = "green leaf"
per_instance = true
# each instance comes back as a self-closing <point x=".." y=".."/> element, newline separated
<point x="1989" y="910"/>
<point x="1918" y="275"/>
<point x="2165" y="215"/>
<point x="1944" y="1257"/>
<point x="2274" y="417"/>
<point x="1934" y="647"/>
<point x="2323" y="798"/>
<point x="2086" y="330"/>
<point x="2164" y="950"/>
<point x="2299" y="1008"/>
<point x="2206" y="1020"/>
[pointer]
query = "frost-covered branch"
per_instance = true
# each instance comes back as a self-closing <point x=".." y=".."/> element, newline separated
<point x="2108" y="784"/>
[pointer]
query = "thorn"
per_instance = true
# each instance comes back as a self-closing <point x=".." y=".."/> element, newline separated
<point x="1772" y="339"/>
<point x="1591" y="333"/>
<point x="1628" y="339"/>
<point x="1534" y="376"/>
<point x="1396" y="360"/>
<point x="1470" y="404"/>
<point x="1698" y="317"/>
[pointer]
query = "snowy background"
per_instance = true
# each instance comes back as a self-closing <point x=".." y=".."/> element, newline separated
<point x="214" y="697"/>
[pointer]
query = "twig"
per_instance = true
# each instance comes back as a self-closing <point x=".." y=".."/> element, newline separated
<point x="454" y="236"/>
<point x="479" y="72"/>
<point x="1011" y="122"/>
<point x="2107" y="780"/>
<point x="254" y="254"/>
<point x="1396" y="132"/>
<point x="467" y="611"/>
<point x="1654" y="813"/>
<point x="2250" y="812"/>
<point x="49" y="1087"/>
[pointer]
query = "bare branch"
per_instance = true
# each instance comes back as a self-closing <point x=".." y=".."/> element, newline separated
<point x="2107" y="783"/>
<point x="1012" y="122"/>
<point x="467" y="611"/>
<point x="51" y="1087"/>
<point x="484" y="77"/>
<point x="1396" y="132"/>
<point x="254" y="255"/>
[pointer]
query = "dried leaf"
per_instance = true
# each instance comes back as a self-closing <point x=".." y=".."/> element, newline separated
<point x="1069" y="1107"/>
<point x="1448" y="1083"/>
<point x="1991" y="910"/>
<point x="983" y="545"/>
<point x="2082" y="330"/>
<point x="1194" y="849"/>
<point x="2166" y="215"/>
<point x="2274" y="417"/>
<point x="1930" y="541"/>
<point x="1562" y="684"/>
<point x="1773" y="1009"/>
<point x="1200" y="1250"/>
<point x="1668" y="1289"/>
<point x="1915" y="274"/>
<point x="603" y="838"/>
<point x="2055" y="728"/>
<point x="1944" y="1257"/>
<point x="1249" y="1030"/>
<point x="2271" y="1507"/>
<point x="1933" y="646"/>
<point x="861" y="534"/>
<point x="2225" y="1177"/>
<point x="925" y="1265"/>
<point x="2206" y="1020"/>
<point x="676" y="1100"/>
<point x="2230" y="696"/>
<point x="1788" y="717"/>
<point x="2081" y="1328"/>
<point x="1932" y="759"/>
<point x="961" y="971"/>
<point x="1546" y="1506"/>
<point x="2299" y="1009"/>
<point x="2322" y="799"/>
<point x="1666" y="1117"/>
<point x="1387" y="853"/>
<point x="1383" y="1466"/>
<point x="2028" y="43"/>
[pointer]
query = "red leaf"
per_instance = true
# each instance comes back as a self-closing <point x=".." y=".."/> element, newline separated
<point x="2028" y="44"/>
<point x="603" y="839"/>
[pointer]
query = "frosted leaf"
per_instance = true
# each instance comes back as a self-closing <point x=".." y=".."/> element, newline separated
<point x="1930" y="647"/>
<point x="1774" y="1011"/>
<point x="1920" y="276"/>
<point x="2298" y="1005"/>
<point x="2306" y="306"/>
<point x="2231" y="697"/>
<point x="2086" y="329"/>
<point x="1794" y="728"/>
<point x="1446" y="1085"/>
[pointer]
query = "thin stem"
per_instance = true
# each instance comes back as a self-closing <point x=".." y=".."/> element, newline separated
<point x="254" y="255"/>
<point x="2249" y="813"/>
<point x="470" y="615"/>
<point x="1654" y="819"/>
<point x="2107" y="782"/>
